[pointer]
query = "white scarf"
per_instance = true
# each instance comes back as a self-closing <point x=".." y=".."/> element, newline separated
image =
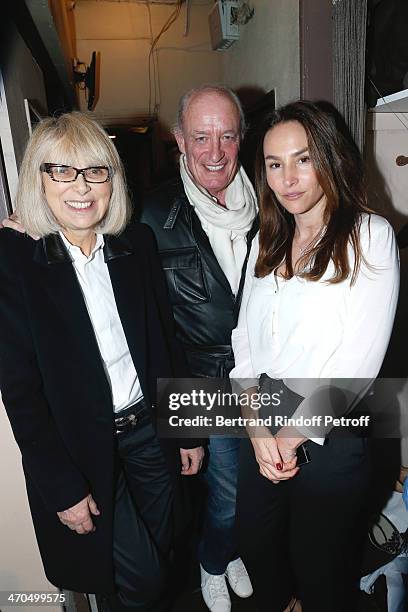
<point x="226" y="227"/>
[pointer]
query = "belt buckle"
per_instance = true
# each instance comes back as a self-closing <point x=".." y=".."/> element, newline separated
<point x="124" y="423"/>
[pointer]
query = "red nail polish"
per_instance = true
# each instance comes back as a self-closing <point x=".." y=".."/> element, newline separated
<point x="279" y="466"/>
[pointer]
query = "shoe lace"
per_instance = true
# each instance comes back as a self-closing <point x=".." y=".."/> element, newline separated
<point x="236" y="571"/>
<point x="218" y="587"/>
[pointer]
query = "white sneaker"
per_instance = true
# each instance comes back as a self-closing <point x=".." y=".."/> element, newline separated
<point x="238" y="578"/>
<point x="215" y="591"/>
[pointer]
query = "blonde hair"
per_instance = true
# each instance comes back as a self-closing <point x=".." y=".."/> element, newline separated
<point x="63" y="140"/>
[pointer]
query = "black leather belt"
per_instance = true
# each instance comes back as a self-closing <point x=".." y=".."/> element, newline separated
<point x="128" y="418"/>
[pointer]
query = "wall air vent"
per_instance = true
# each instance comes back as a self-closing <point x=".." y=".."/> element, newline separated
<point x="223" y="29"/>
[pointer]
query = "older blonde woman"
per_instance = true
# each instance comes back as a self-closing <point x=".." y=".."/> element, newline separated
<point x="86" y="331"/>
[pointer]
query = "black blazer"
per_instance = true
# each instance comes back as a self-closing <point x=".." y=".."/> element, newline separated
<point x="56" y="392"/>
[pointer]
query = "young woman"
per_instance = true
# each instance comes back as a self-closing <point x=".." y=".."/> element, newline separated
<point x="317" y="312"/>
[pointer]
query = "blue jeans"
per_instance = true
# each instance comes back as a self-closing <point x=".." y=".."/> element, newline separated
<point x="218" y="540"/>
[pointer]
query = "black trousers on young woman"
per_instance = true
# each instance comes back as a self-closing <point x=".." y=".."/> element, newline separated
<point x="304" y="536"/>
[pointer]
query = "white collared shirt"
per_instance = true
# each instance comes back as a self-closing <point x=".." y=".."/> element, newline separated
<point x="297" y="329"/>
<point x="93" y="277"/>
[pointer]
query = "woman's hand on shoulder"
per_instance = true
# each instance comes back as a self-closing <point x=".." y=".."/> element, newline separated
<point x="13" y="222"/>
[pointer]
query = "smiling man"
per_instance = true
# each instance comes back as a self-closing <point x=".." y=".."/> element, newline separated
<point x="208" y="134"/>
<point x="204" y="222"/>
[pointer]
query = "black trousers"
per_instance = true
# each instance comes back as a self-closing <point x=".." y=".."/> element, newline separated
<point x="143" y="521"/>
<point x="304" y="536"/>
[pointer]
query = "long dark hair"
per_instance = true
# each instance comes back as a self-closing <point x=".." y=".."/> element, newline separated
<point x="339" y="170"/>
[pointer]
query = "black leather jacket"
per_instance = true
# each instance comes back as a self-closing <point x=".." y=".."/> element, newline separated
<point x="204" y="306"/>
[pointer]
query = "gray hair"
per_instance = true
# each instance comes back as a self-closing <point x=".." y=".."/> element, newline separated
<point x="222" y="90"/>
<point x="63" y="140"/>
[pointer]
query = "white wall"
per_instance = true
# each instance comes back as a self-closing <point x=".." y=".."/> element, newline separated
<point x="387" y="182"/>
<point x="267" y="54"/>
<point x="121" y="32"/>
<point x="388" y="188"/>
<point x="20" y="563"/>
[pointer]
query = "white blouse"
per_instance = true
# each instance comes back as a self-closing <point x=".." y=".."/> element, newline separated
<point x="298" y="329"/>
<point x="93" y="276"/>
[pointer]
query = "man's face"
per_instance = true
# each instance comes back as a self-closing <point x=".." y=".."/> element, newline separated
<point x="210" y="141"/>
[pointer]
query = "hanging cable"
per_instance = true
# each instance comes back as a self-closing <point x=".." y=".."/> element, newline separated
<point x="149" y="68"/>
<point x="167" y="25"/>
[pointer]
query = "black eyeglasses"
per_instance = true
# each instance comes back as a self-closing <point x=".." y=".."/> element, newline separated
<point x="68" y="174"/>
